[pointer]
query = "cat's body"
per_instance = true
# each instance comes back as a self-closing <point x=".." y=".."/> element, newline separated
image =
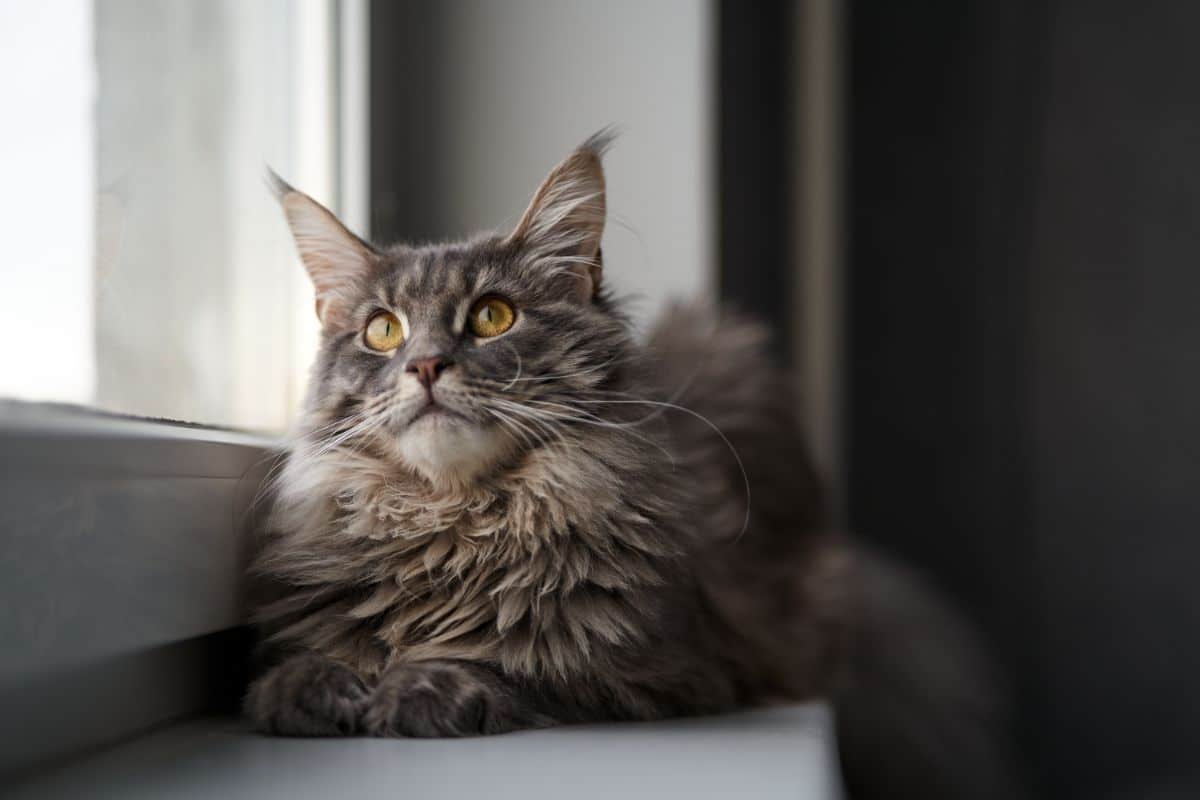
<point x="610" y="562"/>
<point x="592" y="528"/>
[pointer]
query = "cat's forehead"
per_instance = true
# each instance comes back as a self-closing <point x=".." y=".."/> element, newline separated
<point x="441" y="271"/>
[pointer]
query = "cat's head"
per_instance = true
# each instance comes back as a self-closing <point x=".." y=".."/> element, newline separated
<point x="451" y="358"/>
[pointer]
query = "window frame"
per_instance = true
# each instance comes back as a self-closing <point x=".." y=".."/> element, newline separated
<point x="127" y="599"/>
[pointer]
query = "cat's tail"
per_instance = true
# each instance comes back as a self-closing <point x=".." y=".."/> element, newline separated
<point x="920" y="709"/>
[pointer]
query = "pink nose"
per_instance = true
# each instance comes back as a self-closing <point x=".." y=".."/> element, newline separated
<point x="427" y="370"/>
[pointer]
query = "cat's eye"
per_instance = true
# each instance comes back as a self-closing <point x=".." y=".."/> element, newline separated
<point x="384" y="332"/>
<point x="491" y="316"/>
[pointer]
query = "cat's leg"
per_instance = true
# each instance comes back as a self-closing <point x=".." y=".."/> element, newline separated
<point x="308" y="695"/>
<point x="447" y="698"/>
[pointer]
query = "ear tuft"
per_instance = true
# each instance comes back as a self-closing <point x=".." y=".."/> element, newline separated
<point x="600" y="141"/>
<point x="565" y="219"/>
<point x="336" y="260"/>
<point x="278" y="186"/>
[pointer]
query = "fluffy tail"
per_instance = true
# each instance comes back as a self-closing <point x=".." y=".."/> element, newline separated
<point x="920" y="713"/>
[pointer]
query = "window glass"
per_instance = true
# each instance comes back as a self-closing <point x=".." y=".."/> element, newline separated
<point x="147" y="268"/>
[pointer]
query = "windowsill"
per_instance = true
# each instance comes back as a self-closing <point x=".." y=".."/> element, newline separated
<point x="130" y="533"/>
<point x="17" y="416"/>
<point x="784" y="752"/>
<point x="124" y="547"/>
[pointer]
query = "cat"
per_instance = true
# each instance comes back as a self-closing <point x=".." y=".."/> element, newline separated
<point x="502" y="511"/>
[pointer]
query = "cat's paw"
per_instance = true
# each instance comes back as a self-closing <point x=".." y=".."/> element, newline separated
<point x="436" y="699"/>
<point x="308" y="695"/>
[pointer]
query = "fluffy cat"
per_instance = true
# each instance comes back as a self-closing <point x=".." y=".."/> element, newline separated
<point x="502" y="511"/>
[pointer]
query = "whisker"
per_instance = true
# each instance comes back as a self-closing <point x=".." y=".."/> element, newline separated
<point x="275" y="476"/>
<point x="530" y="436"/>
<point x="368" y="423"/>
<point x="566" y="375"/>
<point x="733" y="450"/>
<point x="577" y="415"/>
<point x="523" y="415"/>
<point x="516" y="377"/>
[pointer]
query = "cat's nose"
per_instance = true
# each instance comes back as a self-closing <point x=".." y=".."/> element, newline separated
<point x="429" y="369"/>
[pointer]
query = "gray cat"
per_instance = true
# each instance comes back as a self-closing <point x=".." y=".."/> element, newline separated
<point x="502" y="512"/>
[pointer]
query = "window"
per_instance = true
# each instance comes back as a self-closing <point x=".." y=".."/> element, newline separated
<point x="147" y="270"/>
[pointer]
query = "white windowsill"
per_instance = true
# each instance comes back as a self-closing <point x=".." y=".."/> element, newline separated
<point x="123" y="548"/>
<point x="786" y="752"/>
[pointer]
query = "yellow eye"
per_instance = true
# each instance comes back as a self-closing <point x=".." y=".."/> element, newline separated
<point x="384" y="332"/>
<point x="491" y="316"/>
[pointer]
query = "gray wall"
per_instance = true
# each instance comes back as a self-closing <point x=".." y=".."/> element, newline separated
<point x="475" y="101"/>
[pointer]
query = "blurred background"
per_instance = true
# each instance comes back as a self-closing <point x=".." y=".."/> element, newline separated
<point x="971" y="225"/>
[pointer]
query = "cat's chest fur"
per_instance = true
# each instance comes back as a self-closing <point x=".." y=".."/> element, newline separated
<point x="539" y="570"/>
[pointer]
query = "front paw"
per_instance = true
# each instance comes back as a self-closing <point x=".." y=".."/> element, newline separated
<point x="438" y="699"/>
<point x="308" y="695"/>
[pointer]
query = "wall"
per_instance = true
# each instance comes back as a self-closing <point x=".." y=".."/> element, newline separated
<point x="475" y="101"/>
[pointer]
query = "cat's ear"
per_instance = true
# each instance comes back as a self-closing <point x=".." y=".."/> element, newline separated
<point x="336" y="260"/>
<point x="565" y="219"/>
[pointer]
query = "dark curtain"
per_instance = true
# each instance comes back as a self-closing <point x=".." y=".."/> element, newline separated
<point x="1024" y="355"/>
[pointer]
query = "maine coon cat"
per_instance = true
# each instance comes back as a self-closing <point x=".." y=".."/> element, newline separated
<point x="503" y="511"/>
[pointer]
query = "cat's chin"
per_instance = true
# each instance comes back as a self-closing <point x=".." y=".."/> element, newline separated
<point x="448" y="449"/>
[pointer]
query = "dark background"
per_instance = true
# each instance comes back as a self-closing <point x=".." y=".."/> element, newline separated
<point x="1024" y="354"/>
<point x="1024" y="345"/>
<point x="1021" y="340"/>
